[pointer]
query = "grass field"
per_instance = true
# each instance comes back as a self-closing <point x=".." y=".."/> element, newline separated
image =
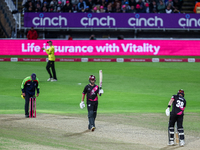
<point x="133" y="90"/>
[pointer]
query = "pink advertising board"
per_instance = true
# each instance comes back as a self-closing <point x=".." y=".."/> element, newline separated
<point x="102" y="47"/>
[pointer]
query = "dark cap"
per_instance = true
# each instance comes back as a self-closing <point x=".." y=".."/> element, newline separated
<point x="49" y="41"/>
<point x="33" y="76"/>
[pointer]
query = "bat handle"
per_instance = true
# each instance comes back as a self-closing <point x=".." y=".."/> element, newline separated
<point x="100" y="89"/>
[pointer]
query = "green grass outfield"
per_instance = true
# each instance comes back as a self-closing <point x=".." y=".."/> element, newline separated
<point x="129" y="87"/>
<point x="139" y="92"/>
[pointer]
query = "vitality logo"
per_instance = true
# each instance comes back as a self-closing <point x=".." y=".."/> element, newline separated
<point x="46" y="21"/>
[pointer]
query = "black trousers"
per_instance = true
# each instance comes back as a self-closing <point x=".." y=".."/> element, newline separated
<point x="51" y="65"/>
<point x="26" y="107"/>
<point x="92" y="113"/>
<point x="172" y="120"/>
<point x="176" y="118"/>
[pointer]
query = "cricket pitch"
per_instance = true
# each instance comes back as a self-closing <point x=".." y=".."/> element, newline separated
<point x="55" y="132"/>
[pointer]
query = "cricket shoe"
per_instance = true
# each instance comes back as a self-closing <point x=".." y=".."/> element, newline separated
<point x="181" y="143"/>
<point x="49" y="79"/>
<point x="92" y="129"/>
<point x="171" y="143"/>
<point x="53" y="80"/>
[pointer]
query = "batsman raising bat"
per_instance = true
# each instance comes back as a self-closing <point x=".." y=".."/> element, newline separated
<point x="176" y="115"/>
<point x="92" y="100"/>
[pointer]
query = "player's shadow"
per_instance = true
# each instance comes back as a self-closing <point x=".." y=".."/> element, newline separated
<point x="76" y="134"/>
<point x="170" y="147"/>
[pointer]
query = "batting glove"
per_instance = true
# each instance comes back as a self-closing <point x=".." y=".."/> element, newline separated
<point x="82" y="105"/>
<point x="167" y="111"/>
<point x="101" y="91"/>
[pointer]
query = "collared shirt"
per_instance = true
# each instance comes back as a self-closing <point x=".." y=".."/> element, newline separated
<point x="29" y="86"/>
<point x="91" y="92"/>
<point x="179" y="105"/>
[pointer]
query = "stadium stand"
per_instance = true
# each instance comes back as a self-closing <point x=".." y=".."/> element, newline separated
<point x="8" y="24"/>
<point x="7" y="21"/>
<point x="188" y="6"/>
<point x="100" y="6"/>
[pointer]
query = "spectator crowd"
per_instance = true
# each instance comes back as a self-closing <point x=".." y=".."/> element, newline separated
<point x="103" y="6"/>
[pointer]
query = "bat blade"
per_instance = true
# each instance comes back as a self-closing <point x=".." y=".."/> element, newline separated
<point x="176" y="134"/>
<point x="177" y="138"/>
<point x="100" y="78"/>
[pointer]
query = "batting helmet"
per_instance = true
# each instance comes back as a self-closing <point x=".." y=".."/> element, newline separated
<point x="92" y="77"/>
<point x="181" y="91"/>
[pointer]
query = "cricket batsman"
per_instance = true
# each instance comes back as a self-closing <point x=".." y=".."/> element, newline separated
<point x="92" y="90"/>
<point x="176" y="115"/>
<point x="28" y="87"/>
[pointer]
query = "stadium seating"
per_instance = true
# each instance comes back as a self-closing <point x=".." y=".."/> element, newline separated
<point x="188" y="6"/>
<point x="7" y="20"/>
<point x="8" y="23"/>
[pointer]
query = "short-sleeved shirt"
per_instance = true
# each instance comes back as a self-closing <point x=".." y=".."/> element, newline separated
<point x="50" y="53"/>
<point x="179" y="105"/>
<point x="29" y="86"/>
<point x="91" y="92"/>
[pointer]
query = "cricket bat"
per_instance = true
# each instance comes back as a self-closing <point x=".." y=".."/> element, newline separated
<point x="100" y="79"/>
<point x="176" y="134"/>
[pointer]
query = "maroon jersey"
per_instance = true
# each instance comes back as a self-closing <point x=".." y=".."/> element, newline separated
<point x="91" y="92"/>
<point x="179" y="104"/>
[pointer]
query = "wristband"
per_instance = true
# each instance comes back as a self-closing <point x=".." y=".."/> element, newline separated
<point x="169" y="106"/>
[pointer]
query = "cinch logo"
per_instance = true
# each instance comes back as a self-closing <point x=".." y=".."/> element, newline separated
<point x="147" y="22"/>
<point x="46" y="21"/>
<point x="94" y="21"/>
<point x="188" y="22"/>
